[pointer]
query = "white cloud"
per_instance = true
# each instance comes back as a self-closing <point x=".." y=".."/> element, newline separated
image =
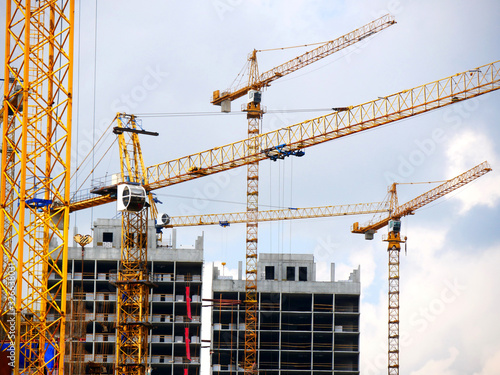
<point x="441" y="366"/>
<point x="465" y="150"/>
<point x="492" y="365"/>
<point x="224" y="270"/>
<point x="443" y="290"/>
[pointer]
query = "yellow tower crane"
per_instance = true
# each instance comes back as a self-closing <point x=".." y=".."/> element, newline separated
<point x="394" y="245"/>
<point x="35" y="187"/>
<point x="133" y="282"/>
<point x="254" y="112"/>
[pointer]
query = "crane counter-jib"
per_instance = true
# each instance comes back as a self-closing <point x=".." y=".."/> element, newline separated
<point x="345" y="121"/>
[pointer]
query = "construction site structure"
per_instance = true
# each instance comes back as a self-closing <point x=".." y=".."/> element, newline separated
<point x="174" y="305"/>
<point x="291" y="140"/>
<point x="35" y="197"/>
<point x="191" y="326"/>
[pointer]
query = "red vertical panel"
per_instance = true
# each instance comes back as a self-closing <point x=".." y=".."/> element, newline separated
<point x="185" y="371"/>
<point x="188" y="350"/>
<point x="188" y="300"/>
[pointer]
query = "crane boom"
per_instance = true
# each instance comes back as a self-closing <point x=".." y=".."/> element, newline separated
<point x="338" y="210"/>
<point x="350" y="120"/>
<point x="306" y="59"/>
<point x="282" y="214"/>
<point x="411" y="206"/>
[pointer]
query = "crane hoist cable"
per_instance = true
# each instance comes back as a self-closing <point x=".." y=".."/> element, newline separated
<point x="97" y="144"/>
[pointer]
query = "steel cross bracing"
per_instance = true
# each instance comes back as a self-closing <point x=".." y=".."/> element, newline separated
<point x="35" y="174"/>
<point x="354" y="119"/>
<point x="394" y="249"/>
<point x="252" y="226"/>
<point x="133" y="285"/>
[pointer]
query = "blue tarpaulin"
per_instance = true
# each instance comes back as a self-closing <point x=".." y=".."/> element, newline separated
<point x="29" y="352"/>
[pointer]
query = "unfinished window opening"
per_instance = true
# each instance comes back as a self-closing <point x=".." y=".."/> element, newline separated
<point x="302" y="273"/>
<point x="269" y="272"/>
<point x="290" y="274"/>
<point x="107" y="237"/>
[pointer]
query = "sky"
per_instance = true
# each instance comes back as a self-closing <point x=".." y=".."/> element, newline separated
<point x="168" y="57"/>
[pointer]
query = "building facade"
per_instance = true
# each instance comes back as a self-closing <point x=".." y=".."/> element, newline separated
<point x="305" y="327"/>
<point x="174" y="307"/>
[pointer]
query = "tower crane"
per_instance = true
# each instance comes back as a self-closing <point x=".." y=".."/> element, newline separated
<point x="284" y="141"/>
<point x="133" y="280"/>
<point x="392" y="220"/>
<point x="255" y="112"/>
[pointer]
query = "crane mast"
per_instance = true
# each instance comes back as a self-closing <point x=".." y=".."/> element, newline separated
<point x="35" y="182"/>
<point x="133" y="282"/>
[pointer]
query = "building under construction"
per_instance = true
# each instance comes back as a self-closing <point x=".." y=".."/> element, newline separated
<point x="175" y="304"/>
<point x="304" y="326"/>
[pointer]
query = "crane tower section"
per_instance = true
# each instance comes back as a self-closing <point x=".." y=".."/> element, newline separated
<point x="35" y="181"/>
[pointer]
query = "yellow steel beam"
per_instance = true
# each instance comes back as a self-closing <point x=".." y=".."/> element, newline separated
<point x="283" y="214"/>
<point x="354" y="119"/>
<point x="35" y="170"/>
